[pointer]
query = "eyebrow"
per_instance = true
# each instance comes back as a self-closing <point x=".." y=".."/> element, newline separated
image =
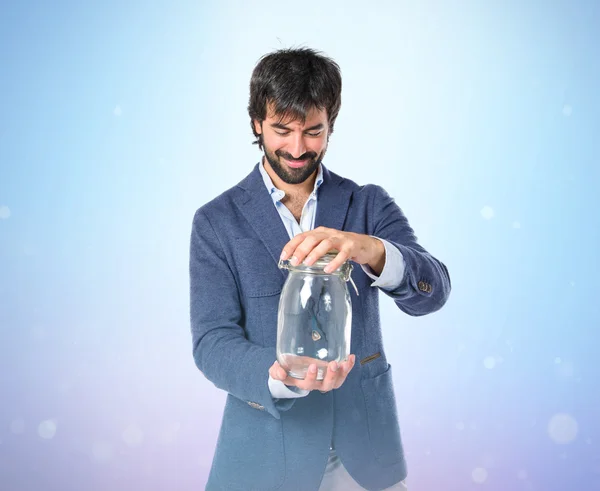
<point x="284" y="127"/>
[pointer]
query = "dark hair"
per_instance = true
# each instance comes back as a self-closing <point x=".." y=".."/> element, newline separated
<point x="294" y="81"/>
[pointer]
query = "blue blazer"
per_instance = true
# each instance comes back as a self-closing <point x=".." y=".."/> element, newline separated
<point x="269" y="444"/>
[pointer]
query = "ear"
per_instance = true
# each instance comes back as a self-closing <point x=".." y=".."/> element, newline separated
<point x="257" y="127"/>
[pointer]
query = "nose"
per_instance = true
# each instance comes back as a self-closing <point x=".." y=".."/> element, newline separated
<point x="297" y="148"/>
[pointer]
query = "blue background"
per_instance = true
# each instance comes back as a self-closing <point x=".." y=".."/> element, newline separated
<point x="118" y="120"/>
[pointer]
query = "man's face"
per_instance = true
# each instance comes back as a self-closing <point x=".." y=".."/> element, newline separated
<point x="294" y="150"/>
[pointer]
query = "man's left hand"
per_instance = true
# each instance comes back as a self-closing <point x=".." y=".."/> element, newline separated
<point x="309" y="246"/>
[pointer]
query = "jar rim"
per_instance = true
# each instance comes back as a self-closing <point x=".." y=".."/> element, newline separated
<point x="318" y="266"/>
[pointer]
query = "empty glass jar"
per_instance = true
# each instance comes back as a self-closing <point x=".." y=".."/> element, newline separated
<point x="314" y="318"/>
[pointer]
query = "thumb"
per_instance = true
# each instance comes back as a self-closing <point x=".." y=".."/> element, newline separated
<point x="276" y="371"/>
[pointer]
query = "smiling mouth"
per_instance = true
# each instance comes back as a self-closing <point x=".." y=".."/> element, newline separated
<point x="296" y="164"/>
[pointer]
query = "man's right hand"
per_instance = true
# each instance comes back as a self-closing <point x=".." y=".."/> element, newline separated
<point x="334" y="377"/>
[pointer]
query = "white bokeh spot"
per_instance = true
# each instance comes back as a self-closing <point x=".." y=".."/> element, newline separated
<point x="487" y="212"/>
<point x="516" y="224"/>
<point x="563" y="428"/>
<point x="17" y="426"/>
<point x="117" y="111"/>
<point x="567" y="110"/>
<point x="489" y="362"/>
<point x="522" y="474"/>
<point x="460" y="426"/>
<point x="4" y="212"/>
<point x="133" y="435"/>
<point x="47" y="429"/>
<point x="479" y="475"/>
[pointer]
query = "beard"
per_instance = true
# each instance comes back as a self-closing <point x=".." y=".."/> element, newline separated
<point x="290" y="175"/>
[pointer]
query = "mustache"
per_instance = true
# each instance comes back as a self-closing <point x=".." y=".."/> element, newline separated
<point x="287" y="156"/>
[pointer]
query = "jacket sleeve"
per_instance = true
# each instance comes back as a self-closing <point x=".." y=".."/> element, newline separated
<point x="425" y="286"/>
<point x="220" y="349"/>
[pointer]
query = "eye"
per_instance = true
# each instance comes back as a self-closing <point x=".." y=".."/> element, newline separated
<point x="318" y="133"/>
<point x="283" y="134"/>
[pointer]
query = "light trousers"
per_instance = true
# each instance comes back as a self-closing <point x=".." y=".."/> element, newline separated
<point x="337" y="478"/>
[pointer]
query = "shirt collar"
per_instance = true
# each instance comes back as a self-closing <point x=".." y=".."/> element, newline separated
<point x="278" y="194"/>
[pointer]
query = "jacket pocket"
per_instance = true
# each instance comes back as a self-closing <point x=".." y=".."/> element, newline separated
<point x="382" y="418"/>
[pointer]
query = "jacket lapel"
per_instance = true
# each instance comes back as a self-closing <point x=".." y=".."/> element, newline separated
<point x="257" y="207"/>
<point x="333" y="201"/>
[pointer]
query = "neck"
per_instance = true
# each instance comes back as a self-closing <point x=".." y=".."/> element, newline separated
<point x="304" y="188"/>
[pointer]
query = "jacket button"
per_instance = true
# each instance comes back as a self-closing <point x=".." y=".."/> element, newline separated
<point x="424" y="287"/>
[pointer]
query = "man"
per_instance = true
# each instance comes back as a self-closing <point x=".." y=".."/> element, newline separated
<point x="279" y="433"/>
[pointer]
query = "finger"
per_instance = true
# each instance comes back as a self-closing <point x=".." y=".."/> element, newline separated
<point x="340" y="259"/>
<point x="305" y="247"/>
<point x="342" y="374"/>
<point x="277" y="371"/>
<point x="345" y="369"/>
<point x="281" y="373"/>
<point x="272" y="370"/>
<point x="327" y="244"/>
<point x="310" y="380"/>
<point x="347" y="365"/>
<point x="331" y="377"/>
<point x="290" y="247"/>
